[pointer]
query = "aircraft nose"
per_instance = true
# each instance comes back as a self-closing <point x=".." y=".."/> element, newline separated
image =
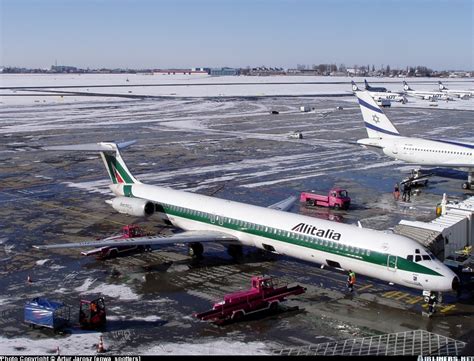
<point x="455" y="284"/>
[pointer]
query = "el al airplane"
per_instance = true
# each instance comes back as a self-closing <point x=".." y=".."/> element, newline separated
<point x="382" y="95"/>
<point x="424" y="94"/>
<point x="373" y="88"/>
<point x="428" y="152"/>
<point x="463" y="94"/>
<point x="389" y="257"/>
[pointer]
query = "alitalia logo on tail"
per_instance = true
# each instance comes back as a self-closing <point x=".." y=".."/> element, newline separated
<point x="312" y="230"/>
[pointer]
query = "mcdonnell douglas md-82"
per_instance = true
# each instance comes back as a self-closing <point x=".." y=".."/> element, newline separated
<point x="389" y="257"/>
<point x="429" y="152"/>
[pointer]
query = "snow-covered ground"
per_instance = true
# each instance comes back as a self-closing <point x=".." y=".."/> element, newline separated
<point x="66" y="88"/>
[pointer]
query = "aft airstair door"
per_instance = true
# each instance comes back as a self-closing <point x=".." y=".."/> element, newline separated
<point x="392" y="263"/>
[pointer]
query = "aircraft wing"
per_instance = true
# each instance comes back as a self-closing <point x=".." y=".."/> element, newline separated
<point x="285" y="204"/>
<point x="183" y="237"/>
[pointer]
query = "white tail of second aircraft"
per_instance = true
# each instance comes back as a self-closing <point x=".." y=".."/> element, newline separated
<point x="441" y="86"/>
<point x="376" y="122"/>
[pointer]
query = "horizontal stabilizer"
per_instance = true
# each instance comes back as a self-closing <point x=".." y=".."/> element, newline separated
<point x="93" y="147"/>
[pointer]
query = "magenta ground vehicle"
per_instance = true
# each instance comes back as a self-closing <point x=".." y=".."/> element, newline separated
<point x="337" y="198"/>
<point x="263" y="295"/>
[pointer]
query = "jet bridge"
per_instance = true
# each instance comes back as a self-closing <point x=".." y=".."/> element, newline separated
<point x="450" y="232"/>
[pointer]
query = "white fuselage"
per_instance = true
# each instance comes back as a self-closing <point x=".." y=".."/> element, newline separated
<point x="365" y="251"/>
<point x="427" y="95"/>
<point x="426" y="152"/>
<point x="387" y="95"/>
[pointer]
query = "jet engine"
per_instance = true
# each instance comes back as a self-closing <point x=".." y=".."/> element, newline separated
<point x="132" y="206"/>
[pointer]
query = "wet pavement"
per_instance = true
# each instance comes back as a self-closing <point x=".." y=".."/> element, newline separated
<point x="234" y="149"/>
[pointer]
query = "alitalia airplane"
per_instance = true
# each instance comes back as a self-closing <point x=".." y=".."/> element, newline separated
<point x="389" y="257"/>
<point x="377" y="95"/>
<point x="463" y="94"/>
<point x="424" y="94"/>
<point x="427" y="152"/>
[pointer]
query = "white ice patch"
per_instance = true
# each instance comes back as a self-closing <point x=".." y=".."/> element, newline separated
<point x="116" y="291"/>
<point x="85" y="286"/>
<point x="41" y="262"/>
<point x="224" y="347"/>
<point x="75" y="344"/>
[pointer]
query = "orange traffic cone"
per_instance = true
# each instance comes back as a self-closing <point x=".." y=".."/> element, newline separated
<point x="28" y="279"/>
<point x="100" y="345"/>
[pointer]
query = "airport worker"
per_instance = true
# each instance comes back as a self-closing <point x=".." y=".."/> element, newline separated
<point x="408" y="185"/>
<point x="351" y="281"/>
<point x="432" y="303"/>
<point x="396" y="192"/>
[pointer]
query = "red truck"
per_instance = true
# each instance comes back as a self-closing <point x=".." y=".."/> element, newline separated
<point x="263" y="295"/>
<point x="128" y="231"/>
<point x="337" y="198"/>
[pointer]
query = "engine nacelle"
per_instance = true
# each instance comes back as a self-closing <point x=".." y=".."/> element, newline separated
<point x="133" y="206"/>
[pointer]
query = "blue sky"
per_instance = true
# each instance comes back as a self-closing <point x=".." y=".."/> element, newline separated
<point x="186" y="33"/>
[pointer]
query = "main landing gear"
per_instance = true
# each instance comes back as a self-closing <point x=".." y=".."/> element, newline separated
<point x="469" y="184"/>
<point x="195" y="250"/>
<point x="234" y="250"/>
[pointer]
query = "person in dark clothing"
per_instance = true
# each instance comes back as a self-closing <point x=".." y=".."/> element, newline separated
<point x="408" y="185"/>
<point x="406" y="192"/>
<point x="432" y="303"/>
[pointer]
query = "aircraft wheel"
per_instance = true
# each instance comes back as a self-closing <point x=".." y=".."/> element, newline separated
<point x="237" y="315"/>
<point x="234" y="250"/>
<point x="466" y="185"/>
<point x="196" y="250"/>
<point x="113" y="253"/>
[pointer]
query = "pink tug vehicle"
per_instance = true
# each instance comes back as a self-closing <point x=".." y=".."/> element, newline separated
<point x="337" y="198"/>
<point x="262" y="296"/>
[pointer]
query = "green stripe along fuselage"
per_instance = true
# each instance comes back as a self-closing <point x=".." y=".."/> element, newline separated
<point x="286" y="236"/>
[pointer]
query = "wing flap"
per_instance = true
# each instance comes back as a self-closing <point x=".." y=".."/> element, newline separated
<point x="183" y="237"/>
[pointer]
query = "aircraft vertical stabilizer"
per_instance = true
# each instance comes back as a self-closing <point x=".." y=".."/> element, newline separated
<point x="376" y="122"/>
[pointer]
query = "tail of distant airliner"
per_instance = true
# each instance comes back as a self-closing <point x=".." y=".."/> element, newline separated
<point x="376" y="122"/>
<point x="406" y="86"/>
<point x="354" y="86"/>
<point x="441" y="86"/>
<point x="113" y="161"/>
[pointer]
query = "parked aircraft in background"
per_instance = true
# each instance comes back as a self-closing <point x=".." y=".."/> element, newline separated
<point x="428" y="152"/>
<point x="463" y="94"/>
<point x="373" y="88"/>
<point x="396" y="97"/>
<point x="425" y="95"/>
<point x="386" y="256"/>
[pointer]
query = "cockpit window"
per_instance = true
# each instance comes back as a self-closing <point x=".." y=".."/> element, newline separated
<point x="417" y="251"/>
<point x="426" y="257"/>
<point x="410" y="257"/>
<point x="417" y="258"/>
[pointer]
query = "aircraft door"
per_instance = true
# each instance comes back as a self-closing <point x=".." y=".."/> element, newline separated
<point x="392" y="263"/>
